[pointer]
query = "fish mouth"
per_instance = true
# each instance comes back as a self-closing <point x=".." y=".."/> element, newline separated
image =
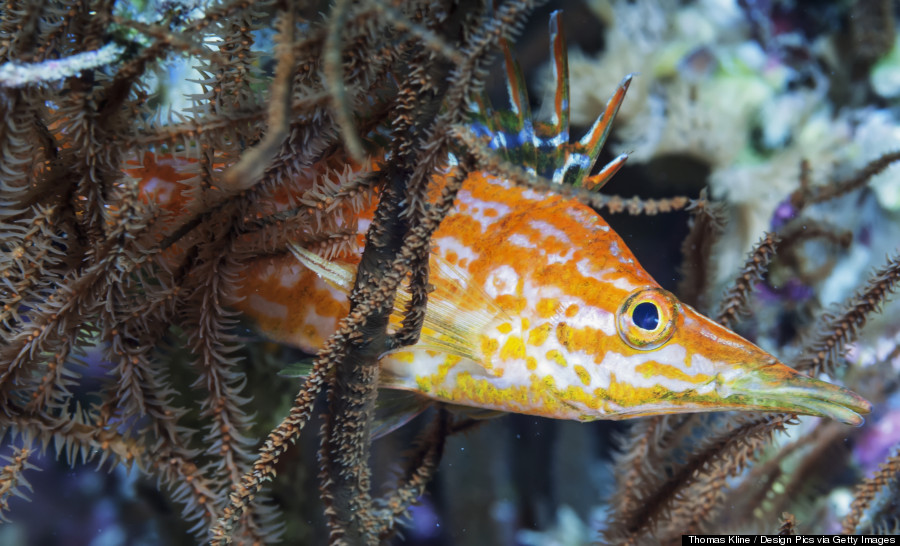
<point x="776" y="387"/>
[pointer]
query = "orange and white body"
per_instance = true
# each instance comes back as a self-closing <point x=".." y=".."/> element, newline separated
<point x="539" y="307"/>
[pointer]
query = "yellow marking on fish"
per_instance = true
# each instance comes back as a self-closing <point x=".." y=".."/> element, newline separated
<point x="563" y="401"/>
<point x="655" y="369"/>
<point x="557" y="357"/>
<point x="404" y="356"/>
<point x="538" y="335"/>
<point x="546" y="307"/>
<point x="578" y="395"/>
<point x="564" y="334"/>
<point x="424" y="383"/>
<point x="531" y="363"/>
<point x="582" y="374"/>
<point x="505" y="328"/>
<point x="513" y="349"/>
<point x="626" y="395"/>
<point x="489" y="346"/>
<point x="444" y="369"/>
<point x="487" y="394"/>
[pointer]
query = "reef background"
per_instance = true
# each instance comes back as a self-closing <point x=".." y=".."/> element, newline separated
<point x="114" y="357"/>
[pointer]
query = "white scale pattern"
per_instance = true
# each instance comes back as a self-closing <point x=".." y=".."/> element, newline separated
<point x="478" y="207"/>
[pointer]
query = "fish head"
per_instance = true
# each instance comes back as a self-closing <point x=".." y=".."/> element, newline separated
<point x="672" y="359"/>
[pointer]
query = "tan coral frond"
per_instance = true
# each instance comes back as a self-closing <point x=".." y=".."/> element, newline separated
<point x="12" y="479"/>
<point x="698" y="250"/>
<point x="837" y="328"/>
<point x="728" y="450"/>
<point x="883" y="484"/>
<point x="788" y="525"/>
<point x="734" y="302"/>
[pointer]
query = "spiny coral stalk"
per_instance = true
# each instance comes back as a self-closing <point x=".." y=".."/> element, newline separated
<point x="12" y="480"/>
<point x="420" y="468"/>
<point x="807" y="195"/>
<point x="728" y="450"/>
<point x="884" y="484"/>
<point x="836" y="329"/>
<point x="735" y="301"/>
<point x="707" y="225"/>
<point x="788" y="525"/>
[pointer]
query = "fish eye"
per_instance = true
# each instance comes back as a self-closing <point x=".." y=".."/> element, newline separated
<point x="646" y="318"/>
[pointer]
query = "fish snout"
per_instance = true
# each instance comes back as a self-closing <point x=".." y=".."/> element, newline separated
<point x="749" y="378"/>
<point x="777" y="387"/>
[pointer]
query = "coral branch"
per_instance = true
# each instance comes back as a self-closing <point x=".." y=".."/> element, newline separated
<point x="835" y="329"/>
<point x="13" y="74"/>
<point x="420" y="467"/>
<point x="788" y="525"/>
<point x="735" y="301"/>
<point x="807" y="195"/>
<point x="727" y="451"/>
<point x="707" y="224"/>
<point x="254" y="161"/>
<point x="883" y="485"/>
<point x="332" y="67"/>
<point x="11" y="479"/>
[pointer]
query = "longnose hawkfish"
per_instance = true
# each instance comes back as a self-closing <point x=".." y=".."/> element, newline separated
<point x="538" y="306"/>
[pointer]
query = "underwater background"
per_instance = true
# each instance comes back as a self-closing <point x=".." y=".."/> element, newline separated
<point x="772" y="117"/>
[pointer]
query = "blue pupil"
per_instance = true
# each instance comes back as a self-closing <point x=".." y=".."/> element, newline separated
<point x="645" y="316"/>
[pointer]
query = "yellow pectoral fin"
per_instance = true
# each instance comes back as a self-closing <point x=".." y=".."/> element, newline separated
<point x="457" y="311"/>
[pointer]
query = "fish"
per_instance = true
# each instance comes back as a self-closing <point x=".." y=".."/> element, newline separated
<point x="538" y="306"/>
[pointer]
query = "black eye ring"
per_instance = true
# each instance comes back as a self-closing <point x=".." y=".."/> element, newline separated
<point x="645" y="316"/>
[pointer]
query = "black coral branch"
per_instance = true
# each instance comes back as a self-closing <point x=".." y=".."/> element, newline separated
<point x="735" y="301"/>
<point x="836" y="329"/>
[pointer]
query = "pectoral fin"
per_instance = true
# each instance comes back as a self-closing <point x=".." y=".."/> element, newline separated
<point x="301" y="368"/>
<point x="472" y="412"/>
<point x="338" y="275"/>
<point x="457" y="312"/>
<point x="395" y="408"/>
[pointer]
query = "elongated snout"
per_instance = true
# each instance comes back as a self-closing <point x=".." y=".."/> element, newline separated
<point x="748" y="378"/>
<point x="776" y="387"/>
